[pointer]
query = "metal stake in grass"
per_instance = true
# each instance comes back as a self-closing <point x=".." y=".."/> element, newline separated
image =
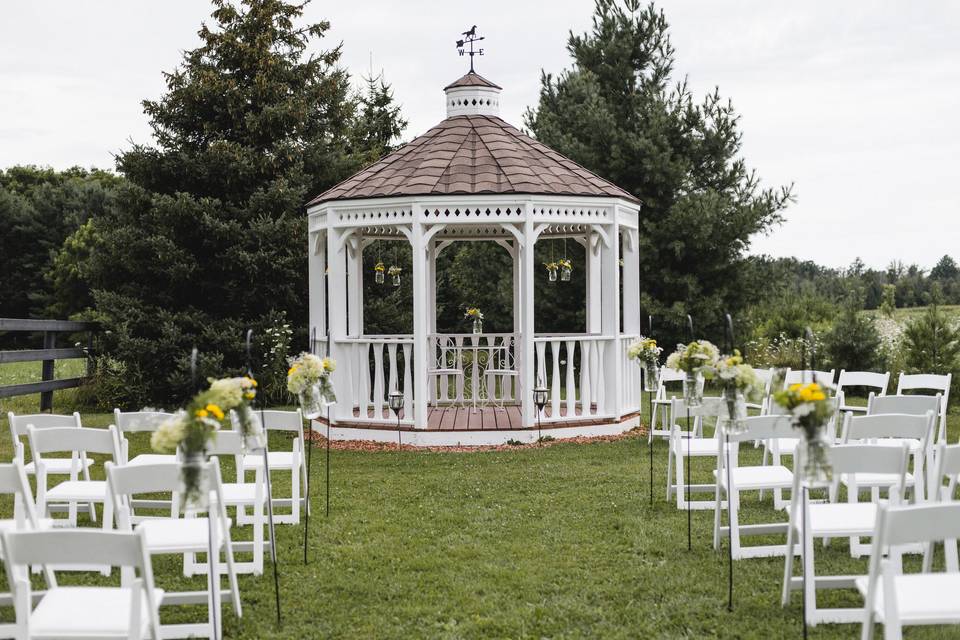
<point x="309" y="444"/>
<point x="396" y="405"/>
<point x="729" y="348"/>
<point x="650" y="410"/>
<point x="689" y="459"/>
<point x="266" y="473"/>
<point x="540" y="400"/>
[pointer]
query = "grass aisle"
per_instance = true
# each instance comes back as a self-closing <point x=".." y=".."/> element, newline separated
<point x="555" y="542"/>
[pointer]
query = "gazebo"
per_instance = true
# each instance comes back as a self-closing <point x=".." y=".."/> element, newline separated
<point x="473" y="177"/>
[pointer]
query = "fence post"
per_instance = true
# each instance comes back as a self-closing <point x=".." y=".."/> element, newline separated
<point x="90" y="362"/>
<point x="46" y="397"/>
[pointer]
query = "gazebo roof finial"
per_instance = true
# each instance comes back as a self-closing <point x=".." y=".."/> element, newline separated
<point x="469" y="37"/>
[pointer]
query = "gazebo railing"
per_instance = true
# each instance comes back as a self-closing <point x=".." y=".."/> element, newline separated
<point x="471" y="368"/>
<point x="374" y="367"/>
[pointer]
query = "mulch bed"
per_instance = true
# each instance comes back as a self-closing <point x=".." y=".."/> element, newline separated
<point x="366" y="445"/>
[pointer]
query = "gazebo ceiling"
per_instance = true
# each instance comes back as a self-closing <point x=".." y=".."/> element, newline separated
<point x="473" y="152"/>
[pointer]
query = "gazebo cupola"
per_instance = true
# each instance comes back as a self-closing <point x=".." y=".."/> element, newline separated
<point x="472" y="95"/>
<point x="474" y="177"/>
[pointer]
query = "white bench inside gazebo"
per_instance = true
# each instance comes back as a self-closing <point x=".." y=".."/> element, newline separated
<point x="475" y="178"/>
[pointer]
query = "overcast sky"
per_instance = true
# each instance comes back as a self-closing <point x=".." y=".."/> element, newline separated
<point x="857" y="103"/>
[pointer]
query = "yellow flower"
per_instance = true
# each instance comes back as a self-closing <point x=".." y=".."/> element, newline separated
<point x="253" y="381"/>
<point x="291" y="370"/>
<point x="328" y="364"/>
<point x="250" y="395"/>
<point x="215" y="410"/>
<point x="201" y="413"/>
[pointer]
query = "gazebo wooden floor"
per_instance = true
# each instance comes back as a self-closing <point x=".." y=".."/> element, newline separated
<point x="457" y="418"/>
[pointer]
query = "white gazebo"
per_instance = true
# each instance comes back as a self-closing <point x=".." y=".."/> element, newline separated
<point x="473" y="177"/>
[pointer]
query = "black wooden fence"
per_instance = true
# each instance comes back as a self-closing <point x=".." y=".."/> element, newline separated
<point x="48" y="355"/>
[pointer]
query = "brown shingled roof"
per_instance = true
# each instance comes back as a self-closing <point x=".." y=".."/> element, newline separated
<point x="472" y="79"/>
<point x="472" y="154"/>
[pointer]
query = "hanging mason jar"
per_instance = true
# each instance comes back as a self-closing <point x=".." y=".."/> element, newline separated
<point x="565" y="272"/>
<point x="378" y="273"/>
<point x="552" y="274"/>
<point x="478" y="325"/>
<point x="312" y="402"/>
<point x="735" y="410"/>
<point x="254" y="435"/>
<point x="194" y="481"/>
<point x="651" y="376"/>
<point x="693" y="389"/>
<point x="394" y="272"/>
<point x="813" y="455"/>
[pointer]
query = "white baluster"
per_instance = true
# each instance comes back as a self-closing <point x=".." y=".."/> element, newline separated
<point x="555" y="379"/>
<point x="571" y="402"/>
<point x="378" y="381"/>
<point x="392" y="357"/>
<point x="360" y="352"/>
<point x="461" y="381"/>
<point x="407" y="381"/>
<point x="601" y="391"/>
<point x="585" y="374"/>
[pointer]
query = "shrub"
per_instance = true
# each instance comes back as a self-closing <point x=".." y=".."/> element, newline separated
<point x="932" y="344"/>
<point x="112" y="385"/>
<point x="853" y="343"/>
<point x="781" y="352"/>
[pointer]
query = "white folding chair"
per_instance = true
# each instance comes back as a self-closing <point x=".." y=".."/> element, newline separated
<point x="766" y="377"/>
<point x="240" y="494"/>
<point x="75" y="441"/>
<point x="891" y="429"/>
<point x="174" y="535"/>
<point x="685" y="445"/>
<point x="740" y="478"/>
<point x="661" y="402"/>
<point x="895" y="599"/>
<point x="930" y="382"/>
<point x="293" y="462"/>
<point x="128" y="611"/>
<point x="55" y="466"/>
<point x="835" y="519"/>
<point x="13" y="482"/>
<point x="130" y="422"/>
<point x="947" y="468"/>
<point x="875" y="382"/>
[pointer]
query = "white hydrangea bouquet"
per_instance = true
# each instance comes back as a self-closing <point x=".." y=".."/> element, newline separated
<point x="694" y="359"/>
<point x="309" y="379"/>
<point x="647" y="354"/>
<point x="739" y="381"/>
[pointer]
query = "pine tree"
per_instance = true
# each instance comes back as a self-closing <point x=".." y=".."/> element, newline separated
<point x="932" y="341"/>
<point x="617" y="113"/>
<point x="210" y="238"/>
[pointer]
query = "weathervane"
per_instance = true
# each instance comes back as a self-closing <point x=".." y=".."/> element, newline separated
<point x="469" y="37"/>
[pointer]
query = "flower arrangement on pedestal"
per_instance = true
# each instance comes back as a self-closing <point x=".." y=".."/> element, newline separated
<point x="810" y="408"/>
<point x="738" y="381"/>
<point x="647" y="354"/>
<point x="188" y="431"/>
<point x="378" y="270"/>
<point x="474" y="314"/>
<point x="551" y="270"/>
<point x="309" y="379"/>
<point x="693" y="359"/>
<point x="237" y="395"/>
<point x="566" y="268"/>
<point x="394" y="272"/>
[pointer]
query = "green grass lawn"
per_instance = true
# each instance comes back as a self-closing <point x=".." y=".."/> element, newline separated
<point x="552" y="542"/>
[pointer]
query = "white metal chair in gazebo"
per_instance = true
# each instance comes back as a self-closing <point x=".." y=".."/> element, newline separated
<point x="474" y="178"/>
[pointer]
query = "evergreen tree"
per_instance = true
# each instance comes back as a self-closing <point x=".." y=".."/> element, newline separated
<point x="210" y="238"/>
<point x="932" y="343"/>
<point x="617" y="113"/>
<point x="853" y="343"/>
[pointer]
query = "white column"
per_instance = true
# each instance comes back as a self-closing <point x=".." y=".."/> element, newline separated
<point x="420" y="321"/>
<point x="516" y="253"/>
<point x="529" y="410"/>
<point x="594" y="283"/>
<point x="610" y="320"/>
<point x="316" y="278"/>
<point x="631" y="281"/>
<point x="355" y="284"/>
<point x="432" y="253"/>
<point x="337" y="292"/>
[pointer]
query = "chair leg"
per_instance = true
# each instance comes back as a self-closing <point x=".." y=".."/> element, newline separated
<point x="810" y="588"/>
<point x="681" y="488"/>
<point x="669" y="469"/>
<point x="716" y="513"/>
<point x="788" y="565"/>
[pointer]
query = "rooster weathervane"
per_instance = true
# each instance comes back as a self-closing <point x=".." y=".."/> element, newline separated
<point x="469" y="37"/>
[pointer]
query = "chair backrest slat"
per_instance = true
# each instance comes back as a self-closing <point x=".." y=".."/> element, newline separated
<point x="868" y="458"/>
<point x="275" y="420"/>
<point x="710" y="407"/>
<point x="73" y="547"/>
<point x="226" y="443"/>
<point x="143" y="478"/>
<point x="69" y="439"/>
<point x="138" y="421"/>
<point x="671" y="375"/>
<point x="765" y="428"/>
<point x="889" y="425"/>
<point x="911" y="405"/>
<point x="925" y="522"/>
<point x="798" y="376"/>
<point x="924" y="382"/>
<point x="870" y="379"/>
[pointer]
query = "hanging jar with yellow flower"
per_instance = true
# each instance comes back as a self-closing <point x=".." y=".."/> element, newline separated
<point x="394" y="272"/>
<point x="552" y="268"/>
<point x="566" y="268"/>
<point x="378" y="270"/>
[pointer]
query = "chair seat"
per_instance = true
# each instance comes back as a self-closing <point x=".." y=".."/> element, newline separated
<point x="153" y="458"/>
<point x="698" y="446"/>
<point x="842" y="519"/>
<point x="239" y="493"/>
<point x="11" y="525"/>
<point x="87" y="612"/>
<point x="921" y="597"/>
<point x="746" y="478"/>
<point x="95" y="490"/>
<point x="279" y="460"/>
<point x="853" y="408"/>
<point x="177" y="535"/>
<point x="865" y="480"/>
<point x="58" y="466"/>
